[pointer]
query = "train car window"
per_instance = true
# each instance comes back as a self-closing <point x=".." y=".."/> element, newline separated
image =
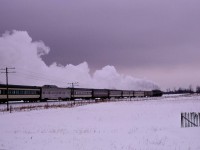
<point x="9" y="92"/>
<point x="20" y="92"/>
<point x="3" y="92"/>
<point x="17" y="92"/>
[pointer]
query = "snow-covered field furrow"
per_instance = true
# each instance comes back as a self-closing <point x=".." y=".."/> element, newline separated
<point x="125" y="125"/>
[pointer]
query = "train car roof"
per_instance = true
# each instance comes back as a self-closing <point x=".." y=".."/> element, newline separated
<point x="49" y="86"/>
<point x="19" y="86"/>
<point x="79" y="88"/>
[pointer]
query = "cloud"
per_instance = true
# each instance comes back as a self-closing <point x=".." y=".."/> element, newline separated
<point x="18" y="50"/>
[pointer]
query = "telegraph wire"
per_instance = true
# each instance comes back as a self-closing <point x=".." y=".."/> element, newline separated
<point x="36" y="73"/>
<point x="41" y="77"/>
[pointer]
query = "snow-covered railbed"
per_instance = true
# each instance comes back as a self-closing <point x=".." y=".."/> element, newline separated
<point x="21" y="106"/>
<point x="127" y="125"/>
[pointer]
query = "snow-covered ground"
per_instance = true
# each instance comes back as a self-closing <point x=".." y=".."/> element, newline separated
<point x="128" y="125"/>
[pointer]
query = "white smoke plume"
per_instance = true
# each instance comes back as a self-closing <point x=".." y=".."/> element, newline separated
<point x="18" y="50"/>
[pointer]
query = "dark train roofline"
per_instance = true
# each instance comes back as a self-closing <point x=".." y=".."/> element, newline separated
<point x="20" y="86"/>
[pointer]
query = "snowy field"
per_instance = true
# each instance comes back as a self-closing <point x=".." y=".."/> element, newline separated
<point x="128" y="125"/>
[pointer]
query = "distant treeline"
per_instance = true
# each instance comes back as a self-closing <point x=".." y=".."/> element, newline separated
<point x="183" y="90"/>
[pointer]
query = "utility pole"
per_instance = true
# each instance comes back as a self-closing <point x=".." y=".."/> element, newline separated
<point x="72" y="91"/>
<point x="7" y="72"/>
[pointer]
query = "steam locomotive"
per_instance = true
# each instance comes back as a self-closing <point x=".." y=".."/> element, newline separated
<point x="52" y="92"/>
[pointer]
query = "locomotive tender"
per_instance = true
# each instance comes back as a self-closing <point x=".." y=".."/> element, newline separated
<point x="52" y="92"/>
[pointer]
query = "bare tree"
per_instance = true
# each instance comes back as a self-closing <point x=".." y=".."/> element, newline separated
<point x="198" y="89"/>
<point x="191" y="89"/>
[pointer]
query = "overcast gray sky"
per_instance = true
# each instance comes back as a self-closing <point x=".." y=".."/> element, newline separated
<point x="152" y="39"/>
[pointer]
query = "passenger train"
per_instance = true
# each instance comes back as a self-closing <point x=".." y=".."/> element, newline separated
<point x="52" y="92"/>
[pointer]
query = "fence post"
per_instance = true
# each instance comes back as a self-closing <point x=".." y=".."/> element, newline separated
<point x="10" y="109"/>
<point x="196" y="119"/>
<point x="199" y="118"/>
<point x="188" y="117"/>
<point x="182" y="120"/>
<point x="185" y="120"/>
<point x="192" y="119"/>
